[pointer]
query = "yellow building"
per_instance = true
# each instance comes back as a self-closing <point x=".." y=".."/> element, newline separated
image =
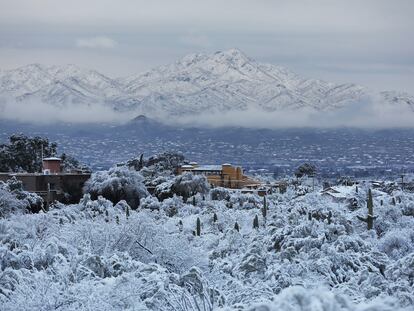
<point x="225" y="175"/>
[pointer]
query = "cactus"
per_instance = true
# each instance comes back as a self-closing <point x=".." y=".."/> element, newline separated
<point x="264" y="209"/>
<point x="127" y="214"/>
<point x="198" y="227"/>
<point x="309" y="216"/>
<point x="236" y="227"/>
<point x="329" y="217"/>
<point x="356" y="189"/>
<point x="256" y="222"/>
<point x="393" y="201"/>
<point x="382" y="202"/>
<point x="215" y="217"/>
<point x="117" y="219"/>
<point x="370" y="217"/>
<point x="194" y="201"/>
<point x="399" y="200"/>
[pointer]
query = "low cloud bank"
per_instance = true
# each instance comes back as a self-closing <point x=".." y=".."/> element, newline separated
<point x="364" y="114"/>
<point x="42" y="113"/>
<point x="359" y="115"/>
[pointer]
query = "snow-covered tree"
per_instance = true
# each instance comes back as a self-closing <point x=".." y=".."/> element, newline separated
<point x="306" y="169"/>
<point x="116" y="184"/>
<point x="188" y="184"/>
<point x="14" y="200"/>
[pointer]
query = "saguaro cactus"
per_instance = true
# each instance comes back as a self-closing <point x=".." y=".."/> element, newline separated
<point x="370" y="217"/>
<point x="256" y="222"/>
<point x="198" y="227"/>
<point x="127" y="212"/>
<point x="236" y="227"/>
<point x="264" y="209"/>
<point x="215" y="217"/>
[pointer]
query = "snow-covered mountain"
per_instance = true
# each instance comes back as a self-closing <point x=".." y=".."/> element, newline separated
<point x="198" y="83"/>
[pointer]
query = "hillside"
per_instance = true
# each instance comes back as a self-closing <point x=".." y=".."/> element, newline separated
<point x="309" y="251"/>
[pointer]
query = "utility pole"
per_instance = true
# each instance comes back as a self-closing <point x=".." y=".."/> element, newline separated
<point x="41" y="163"/>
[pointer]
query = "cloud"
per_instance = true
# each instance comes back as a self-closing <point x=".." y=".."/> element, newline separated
<point x="43" y="113"/>
<point x="368" y="114"/>
<point x="196" y="40"/>
<point x="96" y="42"/>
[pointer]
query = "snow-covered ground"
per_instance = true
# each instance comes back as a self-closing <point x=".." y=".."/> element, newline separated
<point x="310" y="252"/>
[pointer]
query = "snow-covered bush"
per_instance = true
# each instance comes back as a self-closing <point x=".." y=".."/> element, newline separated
<point x="188" y="184"/>
<point x="9" y="204"/>
<point x="13" y="199"/>
<point x="185" y="185"/>
<point x="302" y="299"/>
<point x="95" y="255"/>
<point x="397" y="243"/>
<point x="219" y="194"/>
<point x="116" y="184"/>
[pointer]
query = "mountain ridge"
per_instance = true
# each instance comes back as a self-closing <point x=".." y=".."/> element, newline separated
<point x="198" y="83"/>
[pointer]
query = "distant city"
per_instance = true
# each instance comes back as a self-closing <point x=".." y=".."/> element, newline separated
<point x="335" y="152"/>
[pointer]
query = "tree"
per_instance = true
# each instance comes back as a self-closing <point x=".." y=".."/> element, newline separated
<point x="188" y="184"/>
<point x="24" y="153"/>
<point x="13" y="199"/>
<point x="306" y="169"/>
<point x="116" y="184"/>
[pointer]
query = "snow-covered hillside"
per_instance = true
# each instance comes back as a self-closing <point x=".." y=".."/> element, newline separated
<point x="218" y="82"/>
<point x="309" y="252"/>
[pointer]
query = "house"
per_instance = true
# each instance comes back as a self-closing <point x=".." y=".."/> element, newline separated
<point x="338" y="193"/>
<point x="225" y="175"/>
<point x="52" y="184"/>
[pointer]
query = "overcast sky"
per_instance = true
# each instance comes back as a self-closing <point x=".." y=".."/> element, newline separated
<point x="370" y="42"/>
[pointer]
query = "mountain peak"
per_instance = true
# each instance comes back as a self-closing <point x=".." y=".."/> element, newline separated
<point x="217" y="82"/>
<point x="233" y="53"/>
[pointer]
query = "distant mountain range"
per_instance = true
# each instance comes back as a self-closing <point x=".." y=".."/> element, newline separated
<point x="198" y="83"/>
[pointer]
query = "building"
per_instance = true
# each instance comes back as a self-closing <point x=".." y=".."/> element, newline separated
<point x="52" y="184"/>
<point x="225" y="175"/>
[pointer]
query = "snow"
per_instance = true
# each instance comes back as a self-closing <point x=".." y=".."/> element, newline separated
<point x="96" y="256"/>
<point x="218" y="82"/>
<point x="52" y="159"/>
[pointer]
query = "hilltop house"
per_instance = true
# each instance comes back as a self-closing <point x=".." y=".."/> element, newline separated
<point x="52" y="184"/>
<point x="225" y="175"/>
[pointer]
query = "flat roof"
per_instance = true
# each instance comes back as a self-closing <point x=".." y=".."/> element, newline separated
<point x="52" y="159"/>
<point x="208" y="168"/>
